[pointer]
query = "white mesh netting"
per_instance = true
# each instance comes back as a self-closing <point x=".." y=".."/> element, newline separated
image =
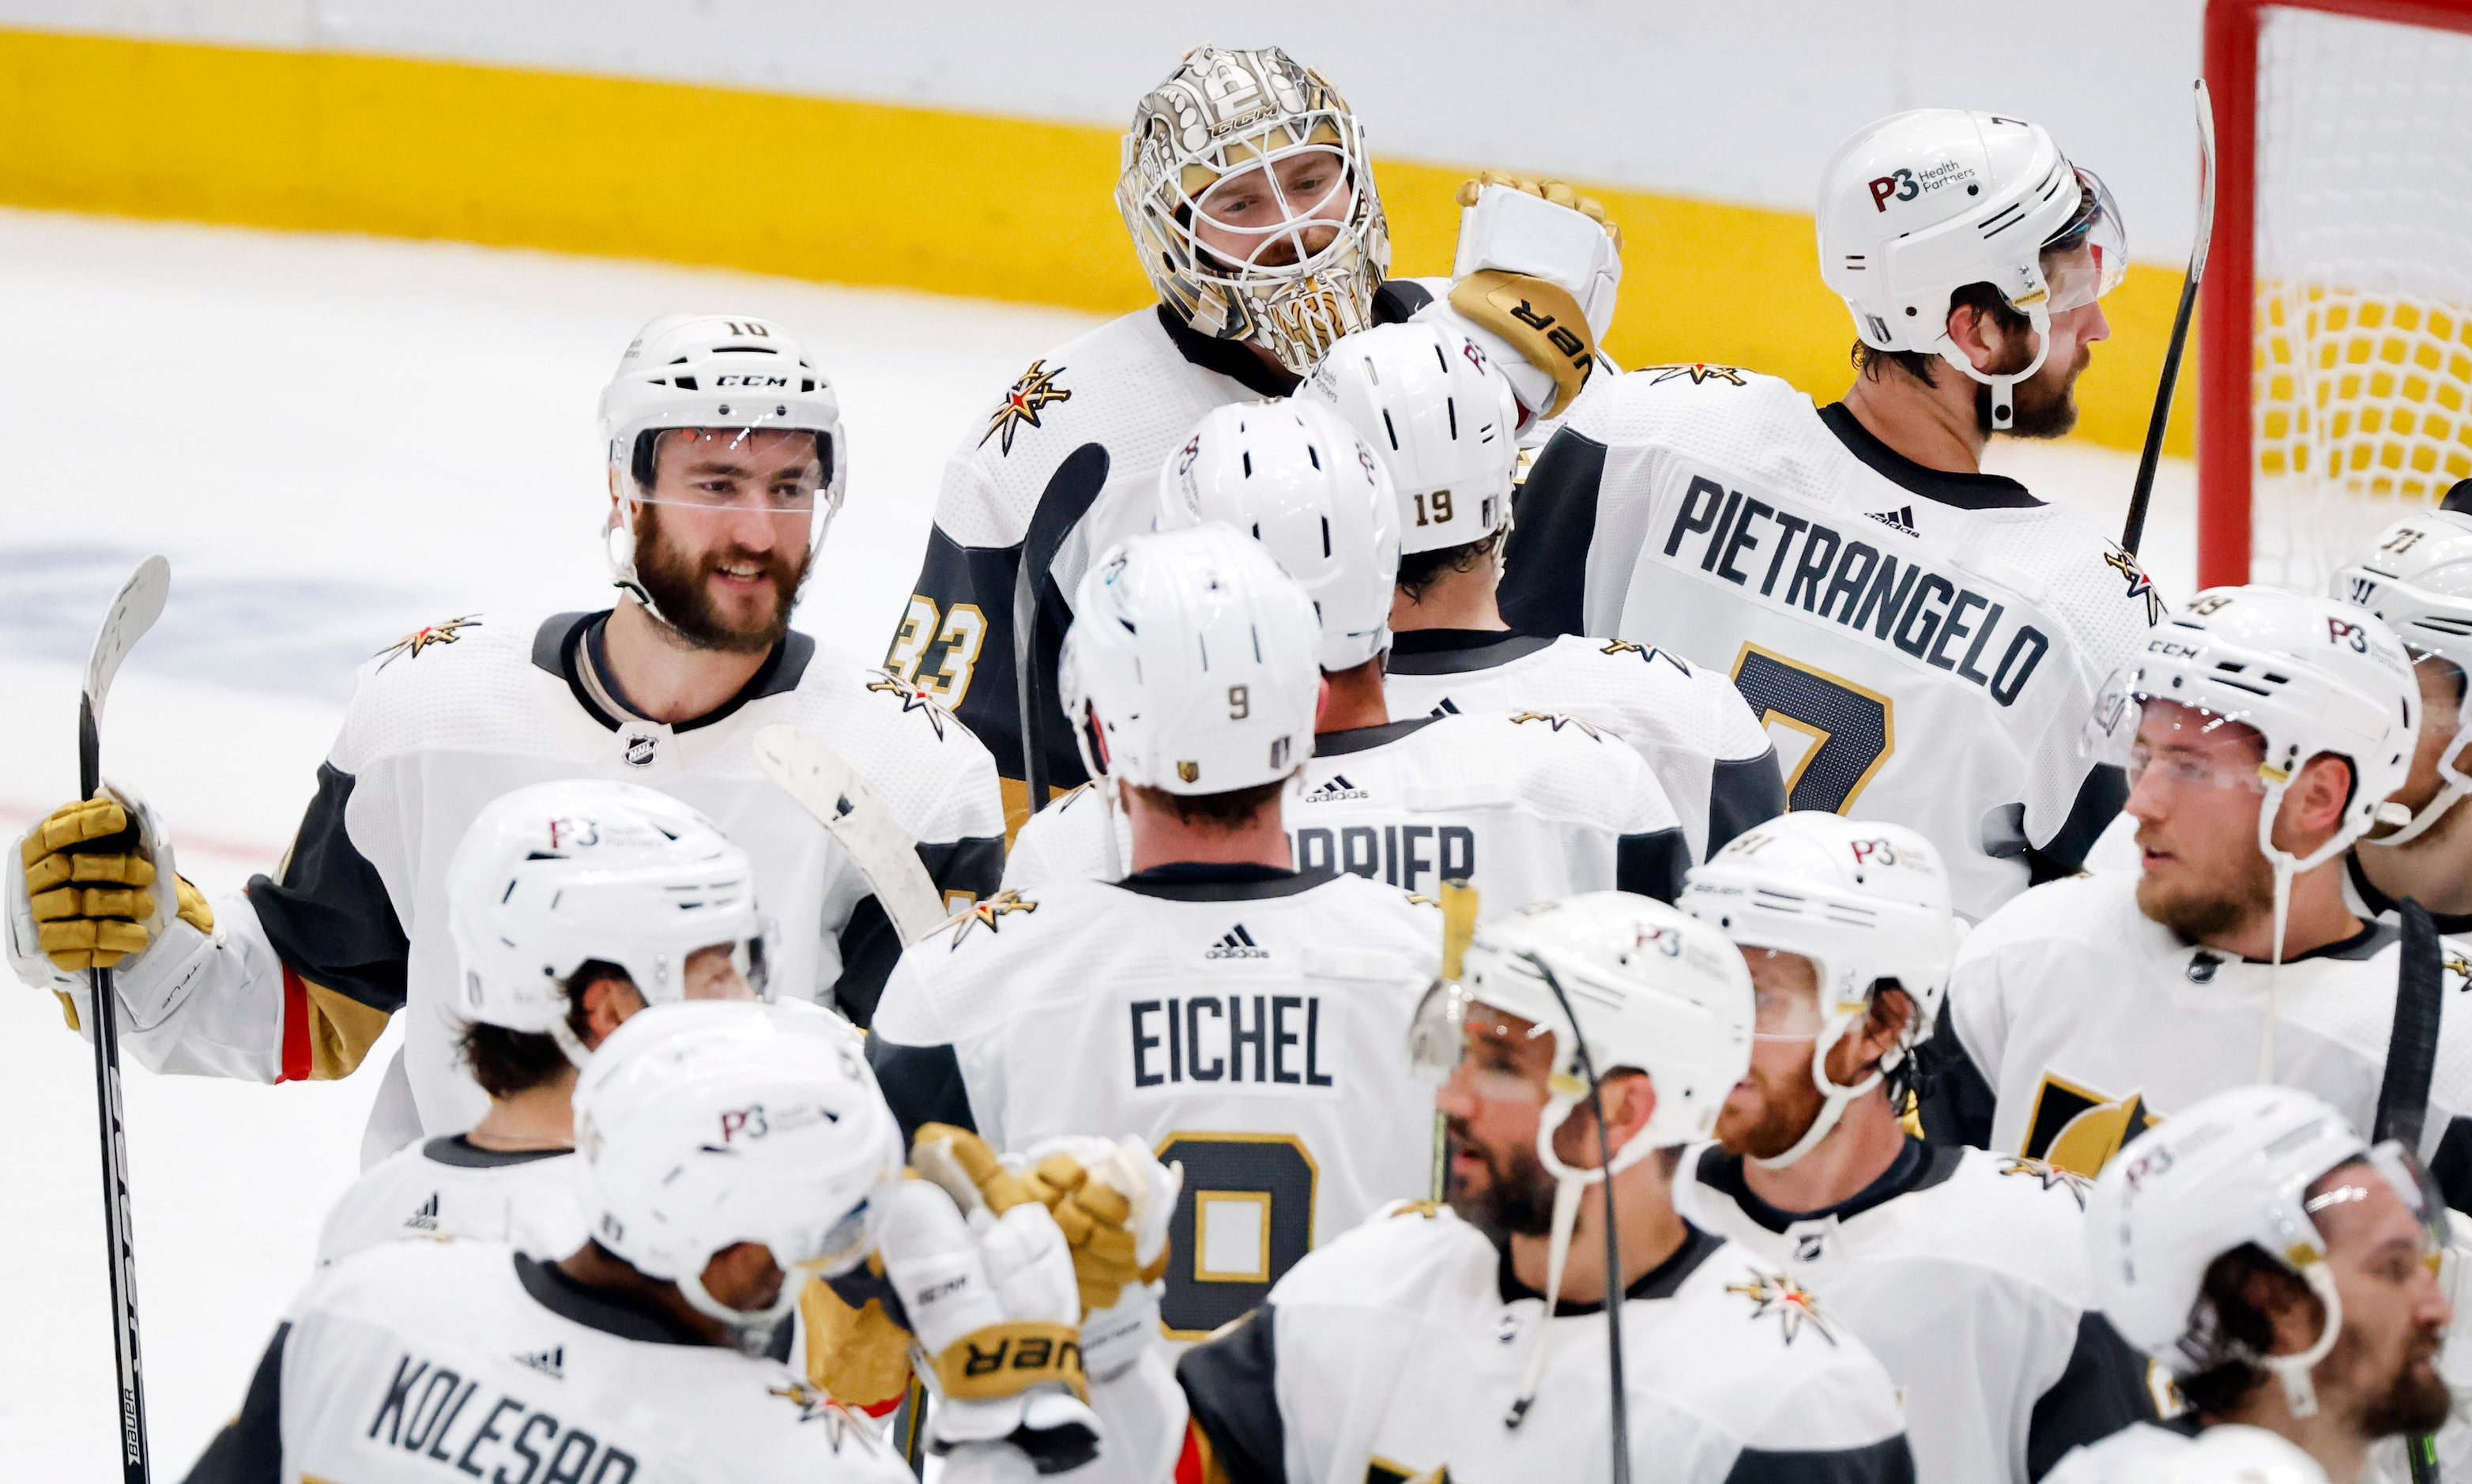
<point x="2363" y="341"/>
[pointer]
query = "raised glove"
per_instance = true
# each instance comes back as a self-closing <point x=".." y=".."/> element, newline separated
<point x="992" y="1302"/>
<point x="1128" y="1197"/>
<point x="1533" y="283"/>
<point x="85" y="892"/>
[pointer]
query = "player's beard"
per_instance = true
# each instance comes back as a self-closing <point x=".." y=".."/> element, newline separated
<point x="2414" y="1400"/>
<point x="2042" y="406"/>
<point x="1785" y="1115"/>
<point x="1518" y="1194"/>
<point x="682" y="587"/>
<point x="2197" y="907"/>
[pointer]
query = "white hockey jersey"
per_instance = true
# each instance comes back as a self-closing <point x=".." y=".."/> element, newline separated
<point x="309" y="967"/>
<point x="2149" y="1454"/>
<point x="1525" y="806"/>
<point x="1393" y="1355"/>
<point x="1924" y="647"/>
<point x="1688" y="724"/>
<point x="2082" y="1021"/>
<point x="450" y="1186"/>
<point x="1966" y="1274"/>
<point x="1086" y="426"/>
<point x="1248" y="1023"/>
<point x="442" y="1361"/>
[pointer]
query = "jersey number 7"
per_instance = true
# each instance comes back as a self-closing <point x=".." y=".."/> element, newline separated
<point x="1832" y="734"/>
<point x="1244" y="1218"/>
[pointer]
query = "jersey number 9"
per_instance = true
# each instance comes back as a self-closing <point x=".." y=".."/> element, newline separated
<point x="1244" y="1217"/>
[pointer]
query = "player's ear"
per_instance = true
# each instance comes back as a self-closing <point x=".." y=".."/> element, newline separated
<point x="1631" y="1102"/>
<point x="1893" y="1011"/>
<point x="2314" y="805"/>
<point x="608" y="1002"/>
<point x="1973" y="331"/>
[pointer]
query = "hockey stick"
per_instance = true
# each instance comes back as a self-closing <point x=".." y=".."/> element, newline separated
<point x="133" y="612"/>
<point x="827" y="788"/>
<point x="2403" y="1095"/>
<point x="2135" y="531"/>
<point x="1069" y="493"/>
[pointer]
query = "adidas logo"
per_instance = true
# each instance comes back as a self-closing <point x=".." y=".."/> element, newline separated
<point x="1445" y="709"/>
<point x="550" y="1362"/>
<point x="1901" y="518"/>
<point x="1337" y="788"/>
<point x="424" y="1216"/>
<point x="1237" y="944"/>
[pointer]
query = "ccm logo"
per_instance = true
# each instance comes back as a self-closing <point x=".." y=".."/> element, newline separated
<point x="750" y="381"/>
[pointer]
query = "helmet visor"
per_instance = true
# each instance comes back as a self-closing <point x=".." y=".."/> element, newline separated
<point x="2405" y="1175"/>
<point x="2088" y="257"/>
<point x="769" y="468"/>
<point x="2182" y="746"/>
<point x="1455" y="1034"/>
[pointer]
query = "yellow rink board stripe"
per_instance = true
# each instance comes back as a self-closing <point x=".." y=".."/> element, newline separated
<point x="827" y="188"/>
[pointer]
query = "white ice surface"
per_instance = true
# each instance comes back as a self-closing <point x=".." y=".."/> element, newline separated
<point x="336" y="440"/>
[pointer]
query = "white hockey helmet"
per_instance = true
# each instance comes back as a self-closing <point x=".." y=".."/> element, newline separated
<point x="2232" y="1168"/>
<point x="554" y="874"/>
<point x="1440" y="416"/>
<point x="2310" y="674"/>
<point x="705" y="1124"/>
<point x="2418" y="576"/>
<point x="1919" y="204"/>
<point x="732" y="373"/>
<point x="1863" y="901"/>
<point x="1217" y="142"/>
<point x="1193" y="654"/>
<point x="1296" y="476"/>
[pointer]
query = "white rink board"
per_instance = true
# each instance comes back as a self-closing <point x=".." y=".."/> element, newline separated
<point x="335" y="440"/>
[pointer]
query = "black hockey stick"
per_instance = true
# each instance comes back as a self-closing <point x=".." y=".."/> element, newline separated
<point x="1069" y="492"/>
<point x="133" y="613"/>
<point x="2135" y="531"/>
<point x="2412" y="1058"/>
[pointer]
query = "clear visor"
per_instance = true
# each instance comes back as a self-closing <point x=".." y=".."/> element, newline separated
<point x="774" y="470"/>
<point x="846" y="1244"/>
<point x="2180" y="747"/>
<point x="736" y="969"/>
<point x="2412" y="1183"/>
<point x="1280" y="214"/>
<point x="1782" y="1012"/>
<point x="1456" y="1034"/>
<point x="2087" y="258"/>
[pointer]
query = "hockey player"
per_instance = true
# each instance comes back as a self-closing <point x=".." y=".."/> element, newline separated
<point x="1249" y="197"/>
<point x="2282" y="1271"/>
<point x="572" y="904"/>
<point x="1420" y="1346"/>
<point x="1964" y="1272"/>
<point x="729" y="1152"/>
<point x="1524" y="806"/>
<point x="1931" y="667"/>
<point x="1246" y="1020"/>
<point x="726" y="462"/>
<point x="2418" y="576"/>
<point x="1438" y="415"/>
<point x="2260" y="730"/>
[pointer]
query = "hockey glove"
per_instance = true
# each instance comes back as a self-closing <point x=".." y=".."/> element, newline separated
<point x="84" y="893"/>
<point x="1126" y="1197"/>
<point x="1533" y="284"/>
<point x="991" y="1301"/>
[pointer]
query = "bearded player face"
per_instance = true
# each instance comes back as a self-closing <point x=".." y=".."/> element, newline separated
<point x="722" y="544"/>
<point x="1491" y="1107"/>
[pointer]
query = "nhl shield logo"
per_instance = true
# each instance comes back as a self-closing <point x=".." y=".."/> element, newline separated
<point x="639" y="749"/>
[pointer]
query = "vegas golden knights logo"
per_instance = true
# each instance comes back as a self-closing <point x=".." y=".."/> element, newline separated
<point x="1381" y="1470"/>
<point x="2079" y="1129"/>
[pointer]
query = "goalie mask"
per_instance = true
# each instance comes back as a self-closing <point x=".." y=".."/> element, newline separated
<point x="703" y="1125"/>
<point x="1921" y="205"/>
<point x="2418" y="576"/>
<point x="2235" y="1168"/>
<point x="1868" y="905"/>
<point x="766" y="426"/>
<point x="555" y="874"/>
<point x="1249" y="197"/>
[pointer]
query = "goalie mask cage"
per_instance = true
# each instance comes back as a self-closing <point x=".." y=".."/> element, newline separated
<point x="2335" y="341"/>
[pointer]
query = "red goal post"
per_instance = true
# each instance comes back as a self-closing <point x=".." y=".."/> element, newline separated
<point x="2335" y="330"/>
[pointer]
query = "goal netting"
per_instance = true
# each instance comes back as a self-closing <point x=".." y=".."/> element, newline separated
<point x="2362" y="381"/>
